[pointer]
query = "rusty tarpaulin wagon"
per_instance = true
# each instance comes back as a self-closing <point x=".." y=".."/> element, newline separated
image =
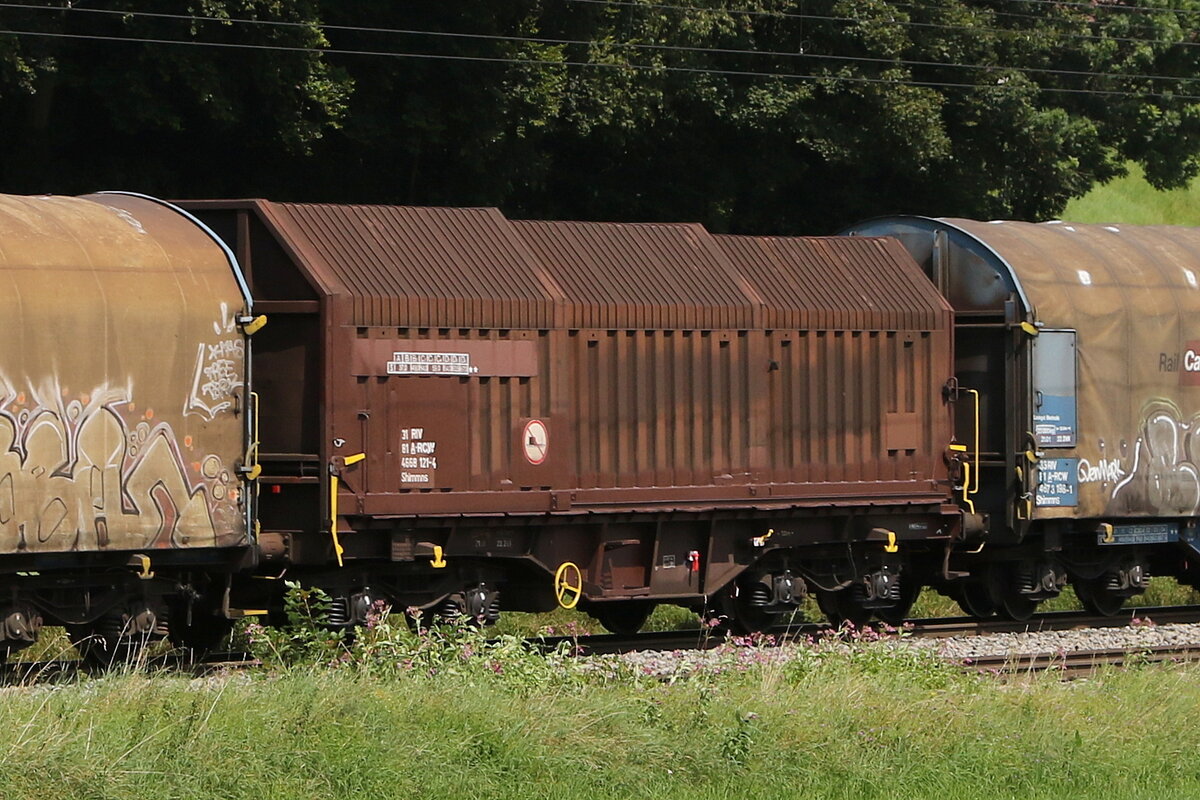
<point x="123" y="432"/>
<point x="1082" y="344"/>
<point x="458" y="407"/>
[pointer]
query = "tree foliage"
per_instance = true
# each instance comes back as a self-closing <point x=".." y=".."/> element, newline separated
<point x="767" y="116"/>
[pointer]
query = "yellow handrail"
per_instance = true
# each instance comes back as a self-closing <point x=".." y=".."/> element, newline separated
<point x="975" y="394"/>
<point x="966" y="483"/>
<point x="333" y="506"/>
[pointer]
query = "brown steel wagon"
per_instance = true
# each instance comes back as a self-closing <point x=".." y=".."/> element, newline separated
<point x="459" y="410"/>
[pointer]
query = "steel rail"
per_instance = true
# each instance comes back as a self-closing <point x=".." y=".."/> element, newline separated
<point x="1081" y="663"/>
<point x="928" y="628"/>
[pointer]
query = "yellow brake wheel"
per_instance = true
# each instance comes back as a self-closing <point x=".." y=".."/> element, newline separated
<point x="568" y="584"/>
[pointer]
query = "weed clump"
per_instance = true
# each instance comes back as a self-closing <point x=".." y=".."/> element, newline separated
<point x="396" y="646"/>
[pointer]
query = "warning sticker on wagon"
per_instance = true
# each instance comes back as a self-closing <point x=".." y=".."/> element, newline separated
<point x="431" y="364"/>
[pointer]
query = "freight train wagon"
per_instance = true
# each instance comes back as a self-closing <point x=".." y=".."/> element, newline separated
<point x="123" y="424"/>
<point x="459" y="411"/>
<point x="1078" y="356"/>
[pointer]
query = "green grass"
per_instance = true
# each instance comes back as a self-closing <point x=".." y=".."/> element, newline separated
<point x="452" y="712"/>
<point x="1132" y="201"/>
<point x="863" y="725"/>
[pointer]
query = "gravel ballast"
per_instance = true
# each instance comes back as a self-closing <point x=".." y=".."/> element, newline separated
<point x="742" y="654"/>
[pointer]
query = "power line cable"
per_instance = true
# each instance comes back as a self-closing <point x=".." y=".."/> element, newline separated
<point x="628" y="3"/>
<point x="1110" y="7"/>
<point x="632" y="45"/>
<point x="595" y="65"/>
<point x="907" y="23"/>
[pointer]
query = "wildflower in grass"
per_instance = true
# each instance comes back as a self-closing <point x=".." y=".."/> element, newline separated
<point x="376" y="614"/>
<point x="256" y="633"/>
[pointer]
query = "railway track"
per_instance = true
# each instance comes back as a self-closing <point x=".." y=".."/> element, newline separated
<point x="1081" y="663"/>
<point x="25" y="672"/>
<point x="1071" y="663"/>
<point x="930" y="628"/>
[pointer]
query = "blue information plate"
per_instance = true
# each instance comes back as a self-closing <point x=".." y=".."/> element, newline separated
<point x="1151" y="533"/>
<point x="1054" y="422"/>
<point x="1057" y="482"/>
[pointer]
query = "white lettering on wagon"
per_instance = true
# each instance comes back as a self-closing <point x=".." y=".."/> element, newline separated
<point x="418" y="459"/>
<point x="1191" y="361"/>
<point x="431" y="364"/>
<point x="218" y="372"/>
<point x="1106" y="470"/>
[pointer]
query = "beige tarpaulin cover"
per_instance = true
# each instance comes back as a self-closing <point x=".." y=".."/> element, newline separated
<point x="119" y="373"/>
<point x="1132" y="294"/>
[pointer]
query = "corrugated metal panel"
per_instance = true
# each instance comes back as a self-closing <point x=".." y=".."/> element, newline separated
<point x="652" y="354"/>
<point x="659" y="408"/>
<point x="422" y="267"/>
<point x="841" y="283"/>
<point x="472" y="268"/>
<point x="835" y="396"/>
<point x="623" y="275"/>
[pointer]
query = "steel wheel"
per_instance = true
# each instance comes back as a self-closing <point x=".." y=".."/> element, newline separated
<point x="975" y="598"/>
<point x="841" y="607"/>
<point x="1098" y="599"/>
<point x="202" y="633"/>
<point x="116" y="637"/>
<point x="750" y="619"/>
<point x="897" y="613"/>
<point x="622" y="618"/>
<point x="1017" y="607"/>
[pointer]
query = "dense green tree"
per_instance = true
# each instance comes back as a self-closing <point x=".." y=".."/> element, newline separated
<point x="95" y="99"/>
<point x="755" y="115"/>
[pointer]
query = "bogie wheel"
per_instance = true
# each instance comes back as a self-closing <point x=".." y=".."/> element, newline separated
<point x="117" y="638"/>
<point x="975" y="598"/>
<point x="729" y="614"/>
<point x="1017" y="607"/>
<point x="716" y="616"/>
<point x="896" y="613"/>
<point x="749" y="619"/>
<point x="1097" y="599"/>
<point x="622" y="618"/>
<point x="841" y="607"/>
<point x="101" y="644"/>
<point x="201" y="632"/>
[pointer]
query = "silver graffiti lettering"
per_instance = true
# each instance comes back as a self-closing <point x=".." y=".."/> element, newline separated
<point x="1107" y="470"/>
<point x="217" y="374"/>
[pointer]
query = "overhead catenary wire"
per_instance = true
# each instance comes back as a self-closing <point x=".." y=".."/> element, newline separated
<point x="598" y="65"/>
<point x="627" y="3"/>
<point x="629" y="45"/>
<point x="1109" y="6"/>
<point x="1019" y="15"/>
<point x="832" y="18"/>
